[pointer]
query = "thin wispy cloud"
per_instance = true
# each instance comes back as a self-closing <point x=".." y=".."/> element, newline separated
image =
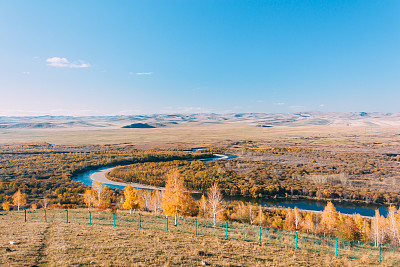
<point x="144" y="73"/>
<point x="62" y="62"/>
<point x="279" y="104"/>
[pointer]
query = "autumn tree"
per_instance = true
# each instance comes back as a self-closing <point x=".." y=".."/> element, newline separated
<point x="289" y="219"/>
<point x="297" y="218"/>
<point x="308" y="224"/>
<point x="6" y="205"/>
<point x="145" y="197"/>
<point x="98" y="191"/>
<point x="19" y="199"/>
<point x="45" y="202"/>
<point x="132" y="198"/>
<point x="377" y="228"/>
<point x="363" y="226"/>
<point x="261" y="218"/>
<point x="156" y="201"/>
<point x="252" y="209"/>
<point x="246" y="213"/>
<point x="214" y="198"/>
<point x="329" y="219"/>
<point x="203" y="206"/>
<point x="393" y="224"/>
<point x="88" y="197"/>
<point x="176" y="200"/>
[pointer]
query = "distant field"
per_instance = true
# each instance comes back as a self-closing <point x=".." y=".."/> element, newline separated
<point x="59" y="244"/>
<point x="208" y="135"/>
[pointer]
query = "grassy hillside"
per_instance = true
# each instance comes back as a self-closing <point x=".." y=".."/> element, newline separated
<point x="57" y="243"/>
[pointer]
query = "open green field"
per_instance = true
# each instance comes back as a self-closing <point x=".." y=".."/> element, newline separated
<point x="77" y="243"/>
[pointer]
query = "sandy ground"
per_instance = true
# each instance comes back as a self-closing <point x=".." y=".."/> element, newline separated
<point x="100" y="176"/>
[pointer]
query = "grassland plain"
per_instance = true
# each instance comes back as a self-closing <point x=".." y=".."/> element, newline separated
<point x="57" y="243"/>
<point x="205" y="135"/>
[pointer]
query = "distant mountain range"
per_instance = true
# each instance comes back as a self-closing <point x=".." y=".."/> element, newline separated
<point x="363" y="119"/>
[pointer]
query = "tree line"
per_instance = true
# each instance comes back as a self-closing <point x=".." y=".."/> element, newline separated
<point x="176" y="201"/>
<point x="257" y="180"/>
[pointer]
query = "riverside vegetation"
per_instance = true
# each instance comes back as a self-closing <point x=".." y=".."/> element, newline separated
<point x="41" y="174"/>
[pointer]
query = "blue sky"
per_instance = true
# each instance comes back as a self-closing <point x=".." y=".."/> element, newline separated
<point x="142" y="57"/>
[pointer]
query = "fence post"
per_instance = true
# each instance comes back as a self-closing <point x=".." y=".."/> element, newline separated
<point x="296" y="240"/>
<point x="140" y="222"/>
<point x="380" y="253"/>
<point x="90" y="218"/>
<point x="226" y="230"/>
<point x="195" y="226"/>
<point x="114" y="218"/>
<point x="336" y="248"/>
<point x="67" y="214"/>
<point x="45" y="216"/>
<point x="259" y="239"/>
<point x="166" y="228"/>
<point x="25" y="214"/>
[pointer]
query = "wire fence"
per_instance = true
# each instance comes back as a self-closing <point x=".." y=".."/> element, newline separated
<point x="353" y="249"/>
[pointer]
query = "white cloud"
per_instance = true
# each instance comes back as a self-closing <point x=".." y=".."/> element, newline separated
<point x="144" y="73"/>
<point x="322" y="105"/>
<point x="26" y="72"/>
<point x="62" y="62"/>
<point x="279" y="104"/>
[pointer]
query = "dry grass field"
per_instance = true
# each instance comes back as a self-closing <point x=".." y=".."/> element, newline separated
<point x="57" y="243"/>
<point x="352" y="136"/>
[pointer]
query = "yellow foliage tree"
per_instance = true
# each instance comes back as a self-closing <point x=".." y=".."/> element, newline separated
<point x="6" y="205"/>
<point x="98" y="191"/>
<point x="176" y="200"/>
<point x="203" y="206"/>
<point x="88" y="197"/>
<point x="19" y="199"/>
<point x="378" y="226"/>
<point x="308" y="224"/>
<point x="329" y="219"/>
<point x="261" y="218"/>
<point x="132" y="198"/>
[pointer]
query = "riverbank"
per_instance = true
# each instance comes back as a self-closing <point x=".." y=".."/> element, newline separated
<point x="100" y="176"/>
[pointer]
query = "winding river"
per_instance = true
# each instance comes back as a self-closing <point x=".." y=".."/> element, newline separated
<point x="312" y="205"/>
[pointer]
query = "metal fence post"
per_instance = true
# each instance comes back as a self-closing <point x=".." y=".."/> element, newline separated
<point x="67" y="214"/>
<point x="296" y="240"/>
<point x="380" y="253"/>
<point x="166" y="227"/>
<point x="90" y="218"/>
<point x="140" y="222"/>
<point x="114" y="218"/>
<point x="25" y="214"/>
<point x="259" y="239"/>
<point x="45" y="216"/>
<point x="336" y="248"/>
<point x="226" y="230"/>
<point x="195" y="226"/>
